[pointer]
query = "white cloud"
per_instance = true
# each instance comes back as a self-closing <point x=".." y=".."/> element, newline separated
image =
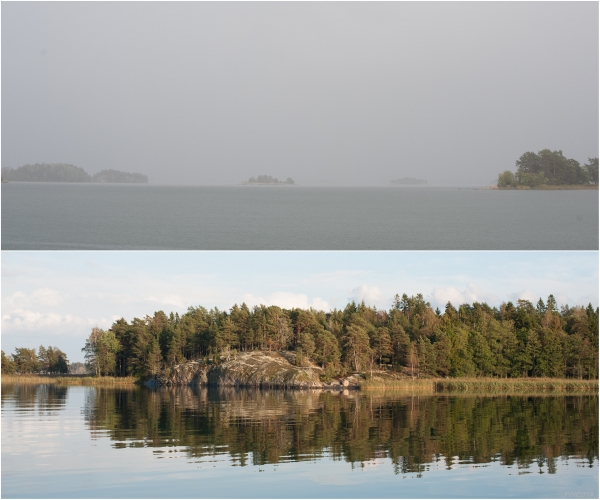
<point x="370" y="294"/>
<point x="47" y="296"/>
<point x="25" y="319"/>
<point x="443" y="295"/>
<point x="286" y="300"/>
<point x="41" y="296"/>
<point x="169" y="300"/>
<point x="524" y="295"/>
<point x="14" y="300"/>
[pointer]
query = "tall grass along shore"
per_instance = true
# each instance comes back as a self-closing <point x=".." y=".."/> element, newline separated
<point x="486" y="385"/>
<point x="67" y="380"/>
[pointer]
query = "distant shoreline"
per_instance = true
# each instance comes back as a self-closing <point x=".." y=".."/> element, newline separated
<point x="64" y="172"/>
<point x="549" y="187"/>
<point x="264" y="184"/>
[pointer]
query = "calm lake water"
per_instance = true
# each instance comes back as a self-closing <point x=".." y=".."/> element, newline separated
<point x="90" y="442"/>
<point x="91" y="216"/>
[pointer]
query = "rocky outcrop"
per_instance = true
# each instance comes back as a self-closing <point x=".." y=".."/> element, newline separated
<point x="274" y="370"/>
<point x="266" y="370"/>
<point x="190" y="373"/>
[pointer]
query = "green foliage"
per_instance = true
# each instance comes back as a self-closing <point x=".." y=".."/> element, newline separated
<point x="306" y="345"/>
<point x="507" y="179"/>
<point x="101" y="350"/>
<point x="592" y="170"/>
<point x="549" y="168"/>
<point x="52" y="360"/>
<point x="8" y="365"/>
<point x="356" y="347"/>
<point x="25" y="360"/>
<point x="471" y="340"/>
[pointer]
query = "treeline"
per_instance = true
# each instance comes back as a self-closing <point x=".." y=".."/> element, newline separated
<point x="48" y="360"/>
<point x="549" y="168"/>
<point x="64" y="172"/>
<point x="267" y="179"/>
<point x="516" y="340"/>
<point x="116" y="176"/>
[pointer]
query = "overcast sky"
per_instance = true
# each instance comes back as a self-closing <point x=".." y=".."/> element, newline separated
<point x="327" y="93"/>
<point x="57" y="297"/>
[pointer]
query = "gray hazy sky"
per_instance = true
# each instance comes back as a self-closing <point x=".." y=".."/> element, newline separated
<point x="327" y="93"/>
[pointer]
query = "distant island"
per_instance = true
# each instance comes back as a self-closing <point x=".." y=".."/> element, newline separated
<point x="409" y="181"/>
<point x="550" y="170"/>
<point x="267" y="180"/>
<point x="64" y="172"/>
<point x="116" y="176"/>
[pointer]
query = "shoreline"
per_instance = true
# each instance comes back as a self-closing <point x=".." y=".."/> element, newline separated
<point x="87" y="380"/>
<point x="460" y="385"/>
<point x="549" y="187"/>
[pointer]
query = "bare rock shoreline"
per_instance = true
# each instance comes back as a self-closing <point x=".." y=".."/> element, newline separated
<point x="267" y="370"/>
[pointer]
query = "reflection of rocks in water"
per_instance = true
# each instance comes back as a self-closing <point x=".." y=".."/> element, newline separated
<point x="263" y="426"/>
<point x="248" y="403"/>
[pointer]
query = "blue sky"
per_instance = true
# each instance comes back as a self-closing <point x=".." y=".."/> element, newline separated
<point x="55" y="298"/>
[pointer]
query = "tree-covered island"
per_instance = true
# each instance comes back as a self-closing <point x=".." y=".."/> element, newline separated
<point x="64" y="172"/>
<point x="409" y="340"/>
<point x="267" y="180"/>
<point x="550" y="170"/>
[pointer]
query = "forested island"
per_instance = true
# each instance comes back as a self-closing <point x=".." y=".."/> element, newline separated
<point x="64" y="172"/>
<point x="550" y="170"/>
<point x="409" y="181"/>
<point x="267" y="180"/>
<point x="411" y="339"/>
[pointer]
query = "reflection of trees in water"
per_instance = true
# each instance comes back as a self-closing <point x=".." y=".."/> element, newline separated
<point x="47" y="399"/>
<point x="271" y="427"/>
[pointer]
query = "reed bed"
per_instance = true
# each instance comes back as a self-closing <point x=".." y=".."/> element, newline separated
<point x="68" y="380"/>
<point x="485" y="385"/>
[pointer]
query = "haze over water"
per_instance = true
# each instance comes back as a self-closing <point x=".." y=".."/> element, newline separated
<point x="83" y="216"/>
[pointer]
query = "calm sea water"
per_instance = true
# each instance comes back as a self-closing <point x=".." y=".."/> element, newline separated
<point x="88" y="442"/>
<point x="92" y="216"/>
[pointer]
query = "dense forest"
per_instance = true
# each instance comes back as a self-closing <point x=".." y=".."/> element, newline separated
<point x="63" y="172"/>
<point x="267" y="179"/>
<point x="549" y="168"/>
<point x="516" y="340"/>
<point x="48" y="360"/>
